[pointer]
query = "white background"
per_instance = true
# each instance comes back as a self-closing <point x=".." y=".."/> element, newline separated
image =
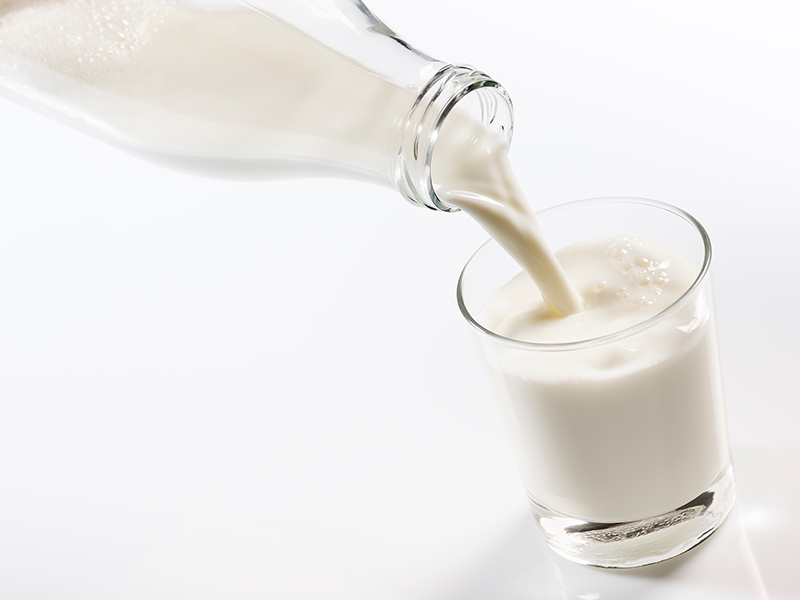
<point x="265" y="390"/>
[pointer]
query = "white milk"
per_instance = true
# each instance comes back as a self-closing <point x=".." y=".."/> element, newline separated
<point x="624" y="430"/>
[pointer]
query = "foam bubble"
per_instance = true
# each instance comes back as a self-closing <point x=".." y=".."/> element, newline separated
<point x="618" y="252"/>
<point x="633" y="264"/>
<point x="98" y="42"/>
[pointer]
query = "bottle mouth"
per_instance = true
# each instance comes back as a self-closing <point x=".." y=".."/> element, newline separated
<point x="474" y="91"/>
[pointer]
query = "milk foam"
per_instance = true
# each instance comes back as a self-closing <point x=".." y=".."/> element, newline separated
<point x="100" y="43"/>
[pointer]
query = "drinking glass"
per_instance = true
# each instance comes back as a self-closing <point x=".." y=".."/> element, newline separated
<point x="620" y="440"/>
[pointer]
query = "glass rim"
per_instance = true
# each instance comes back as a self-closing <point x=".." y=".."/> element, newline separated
<point x="604" y="339"/>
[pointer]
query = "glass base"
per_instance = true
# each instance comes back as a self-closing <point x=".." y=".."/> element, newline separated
<point x="639" y="543"/>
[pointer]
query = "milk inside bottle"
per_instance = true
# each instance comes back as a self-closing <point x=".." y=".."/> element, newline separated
<point x="245" y="90"/>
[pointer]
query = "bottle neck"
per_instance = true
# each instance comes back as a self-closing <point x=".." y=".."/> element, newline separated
<point x="484" y="99"/>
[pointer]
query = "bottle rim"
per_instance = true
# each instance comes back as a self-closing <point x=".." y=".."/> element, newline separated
<point x="436" y="99"/>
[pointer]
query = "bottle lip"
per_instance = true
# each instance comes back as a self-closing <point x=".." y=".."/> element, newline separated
<point x="436" y="99"/>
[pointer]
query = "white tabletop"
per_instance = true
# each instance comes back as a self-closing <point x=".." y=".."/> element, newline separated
<point x="215" y="390"/>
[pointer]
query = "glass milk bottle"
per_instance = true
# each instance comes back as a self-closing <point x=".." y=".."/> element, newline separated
<point x="245" y="90"/>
